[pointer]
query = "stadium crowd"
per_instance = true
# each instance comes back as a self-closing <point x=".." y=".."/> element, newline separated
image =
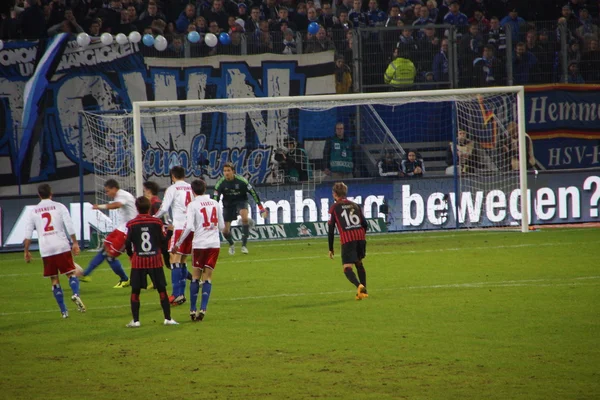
<point x="402" y="42"/>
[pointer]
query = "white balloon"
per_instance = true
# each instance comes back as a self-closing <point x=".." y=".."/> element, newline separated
<point x="1" y="44"/>
<point x="83" y="39"/>
<point x="106" y="38"/>
<point x="211" y="40"/>
<point x="160" y="43"/>
<point x="135" y="37"/>
<point x="121" y="38"/>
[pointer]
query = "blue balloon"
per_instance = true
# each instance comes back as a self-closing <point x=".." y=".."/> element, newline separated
<point x="148" y="40"/>
<point x="313" y="28"/>
<point x="194" y="37"/>
<point x="224" y="38"/>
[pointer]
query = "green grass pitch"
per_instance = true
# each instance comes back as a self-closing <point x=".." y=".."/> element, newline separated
<point x="451" y="315"/>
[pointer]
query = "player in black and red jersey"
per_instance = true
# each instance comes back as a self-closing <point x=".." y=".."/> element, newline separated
<point x="144" y="244"/>
<point x="348" y="217"/>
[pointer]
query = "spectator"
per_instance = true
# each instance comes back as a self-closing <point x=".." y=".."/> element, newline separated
<point x="300" y="18"/>
<point x="275" y="26"/>
<point x="523" y="64"/>
<point x="513" y="23"/>
<point x="356" y="16"/>
<point x="327" y="19"/>
<point x="413" y="166"/>
<point x="570" y="19"/>
<point x="587" y="30"/>
<point x="423" y="19"/>
<point x="434" y="12"/>
<point x="150" y="15"/>
<point x="242" y="11"/>
<point x="482" y="22"/>
<point x="375" y="17"/>
<point x="343" y="76"/>
<point x="252" y="25"/>
<point x="512" y="149"/>
<point x="471" y="46"/>
<point x="201" y="25"/>
<point x="441" y="64"/>
<point x="187" y="16"/>
<point x="69" y="25"/>
<point x="407" y="43"/>
<point x="175" y="48"/>
<point x="94" y="28"/>
<point x="345" y="6"/>
<point x="217" y="13"/>
<point x="464" y="148"/>
<point x="400" y="73"/>
<point x="289" y="42"/>
<point x="590" y="63"/>
<point x="496" y="36"/>
<point x="389" y="166"/>
<point x="456" y="18"/>
<point x="268" y="10"/>
<point x="31" y="21"/>
<point x="125" y="26"/>
<point x="574" y="74"/>
<point x="488" y="69"/>
<point x="338" y="155"/>
<point x="320" y="42"/>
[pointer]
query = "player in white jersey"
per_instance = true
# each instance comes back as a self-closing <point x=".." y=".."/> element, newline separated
<point x="177" y="197"/>
<point x="114" y="244"/>
<point x="205" y="219"/>
<point x="53" y="224"/>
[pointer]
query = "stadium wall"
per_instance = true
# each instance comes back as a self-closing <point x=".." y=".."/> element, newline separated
<point x="406" y="205"/>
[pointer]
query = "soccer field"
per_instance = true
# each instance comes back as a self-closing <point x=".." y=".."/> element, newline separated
<point x="453" y="315"/>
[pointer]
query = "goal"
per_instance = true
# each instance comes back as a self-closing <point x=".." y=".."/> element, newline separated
<point x="470" y="143"/>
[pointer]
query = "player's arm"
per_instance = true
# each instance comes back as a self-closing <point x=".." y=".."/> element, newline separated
<point x="29" y="227"/>
<point x="331" y="230"/>
<point x="217" y="192"/>
<point x="363" y="220"/>
<point x="166" y="203"/>
<point x="250" y="189"/>
<point x="220" y="216"/>
<point x="108" y="206"/>
<point x="68" y="222"/>
<point x="129" y="241"/>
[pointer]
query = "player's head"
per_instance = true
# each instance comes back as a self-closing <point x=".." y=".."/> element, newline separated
<point x="44" y="191"/>
<point x="199" y="187"/>
<point x="228" y="171"/>
<point x="177" y="173"/>
<point x="111" y="187"/>
<point x="142" y="204"/>
<point x="412" y="155"/>
<point x="340" y="190"/>
<point x="150" y="189"/>
<point x="339" y="130"/>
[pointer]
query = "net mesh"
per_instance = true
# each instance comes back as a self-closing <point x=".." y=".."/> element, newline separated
<point x="286" y="142"/>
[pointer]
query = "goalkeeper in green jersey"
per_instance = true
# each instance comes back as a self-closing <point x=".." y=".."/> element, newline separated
<point x="235" y="189"/>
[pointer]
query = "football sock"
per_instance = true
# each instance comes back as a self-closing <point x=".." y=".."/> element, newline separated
<point x="229" y="238"/>
<point x="74" y="283"/>
<point x="117" y="268"/>
<point x="164" y="303"/>
<point x="194" y="290"/>
<point x="58" y="295"/>
<point x="97" y="260"/>
<point x="351" y="276"/>
<point x="175" y="279"/>
<point x="362" y="274"/>
<point x="166" y="258"/>
<point x="182" y="278"/>
<point x="206" y="288"/>
<point x="135" y="305"/>
<point x="245" y="234"/>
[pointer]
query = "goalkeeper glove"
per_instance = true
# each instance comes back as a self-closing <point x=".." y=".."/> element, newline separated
<point x="263" y="211"/>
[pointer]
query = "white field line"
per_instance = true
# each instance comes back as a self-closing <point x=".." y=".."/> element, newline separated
<point x="576" y="281"/>
<point x="245" y="259"/>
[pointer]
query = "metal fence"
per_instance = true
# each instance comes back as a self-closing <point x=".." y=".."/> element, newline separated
<point x="443" y="56"/>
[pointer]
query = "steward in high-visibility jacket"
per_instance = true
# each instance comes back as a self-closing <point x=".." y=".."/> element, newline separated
<point x="400" y="72"/>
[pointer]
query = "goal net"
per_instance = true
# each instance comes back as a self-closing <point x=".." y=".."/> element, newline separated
<point x="473" y="136"/>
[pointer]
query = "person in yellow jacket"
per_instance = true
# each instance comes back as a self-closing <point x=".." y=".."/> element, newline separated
<point x="343" y="76"/>
<point x="400" y="73"/>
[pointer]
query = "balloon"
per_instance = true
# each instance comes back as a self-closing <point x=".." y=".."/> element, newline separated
<point x="121" y="38"/>
<point x="313" y="28"/>
<point x="194" y="37"/>
<point x="83" y="39"/>
<point x="160" y="43"/>
<point x="135" y="37"/>
<point x="106" y="38"/>
<point x="211" y="40"/>
<point x="148" y="39"/>
<point x="224" y="38"/>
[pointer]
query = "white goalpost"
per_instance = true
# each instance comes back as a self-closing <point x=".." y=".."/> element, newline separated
<point x="203" y="134"/>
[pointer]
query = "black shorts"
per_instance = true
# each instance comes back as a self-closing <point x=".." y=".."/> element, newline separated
<point x="353" y="252"/>
<point x="139" y="279"/>
<point x="231" y="210"/>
